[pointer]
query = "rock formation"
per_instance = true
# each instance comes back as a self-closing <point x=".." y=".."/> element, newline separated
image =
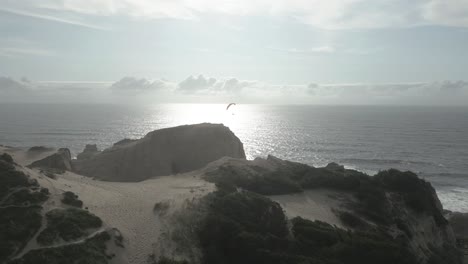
<point x="61" y="160"/>
<point x="39" y="149"/>
<point x="163" y="152"/>
<point x="89" y="151"/>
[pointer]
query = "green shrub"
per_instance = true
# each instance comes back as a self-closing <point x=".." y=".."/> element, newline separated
<point x="238" y="225"/>
<point x="67" y="224"/>
<point x="418" y="194"/>
<point x="165" y="260"/>
<point x="7" y="158"/>
<point x="26" y="197"/>
<point x="242" y="227"/>
<point x="352" y="220"/>
<point x="320" y="240"/>
<point x="18" y="225"/>
<point x="256" y="180"/>
<point x="91" y="251"/>
<point x="11" y="178"/>
<point x="71" y="198"/>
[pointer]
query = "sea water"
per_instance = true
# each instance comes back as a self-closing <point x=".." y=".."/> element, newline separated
<point x="431" y="141"/>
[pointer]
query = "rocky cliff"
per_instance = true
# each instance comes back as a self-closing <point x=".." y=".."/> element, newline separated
<point x="89" y="151"/>
<point x="61" y="160"/>
<point x="163" y="152"/>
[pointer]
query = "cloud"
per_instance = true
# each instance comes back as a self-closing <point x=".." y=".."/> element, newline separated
<point x="234" y="86"/>
<point x="132" y="84"/>
<point x="433" y="93"/>
<point x="24" y="90"/>
<point x="447" y="12"/>
<point x="330" y="14"/>
<point x="38" y="15"/>
<point x="205" y="85"/>
<point x="8" y="84"/>
<point x="194" y="84"/>
<point x="220" y="90"/>
<point x="320" y="49"/>
<point x="15" y="51"/>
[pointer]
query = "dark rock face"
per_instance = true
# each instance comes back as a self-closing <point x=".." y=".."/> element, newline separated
<point x="459" y="223"/>
<point x="124" y="142"/>
<point x="89" y="151"/>
<point x="60" y="161"/>
<point x="163" y="152"/>
<point x="39" y="149"/>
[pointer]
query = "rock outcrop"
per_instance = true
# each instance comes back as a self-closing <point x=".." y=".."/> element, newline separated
<point x="89" y="151"/>
<point x="163" y="152"/>
<point x="39" y="149"/>
<point x="61" y="160"/>
<point x="459" y="224"/>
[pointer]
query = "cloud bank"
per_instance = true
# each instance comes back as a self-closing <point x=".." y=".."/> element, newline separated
<point x="132" y="84"/>
<point x="220" y="90"/>
<point x="211" y="85"/>
<point x="330" y="14"/>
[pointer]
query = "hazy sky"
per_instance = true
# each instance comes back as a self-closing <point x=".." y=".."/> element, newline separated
<point x="281" y="51"/>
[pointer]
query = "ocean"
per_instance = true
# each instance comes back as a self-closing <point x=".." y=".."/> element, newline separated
<point x="431" y="141"/>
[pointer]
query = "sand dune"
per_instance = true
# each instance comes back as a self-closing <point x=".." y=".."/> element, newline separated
<point x="314" y="205"/>
<point x="129" y="206"/>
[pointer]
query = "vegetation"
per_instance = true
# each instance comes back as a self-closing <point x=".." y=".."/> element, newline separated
<point x="71" y="198"/>
<point x="10" y="178"/>
<point x="67" y="224"/>
<point x="18" y="225"/>
<point x="91" y="251"/>
<point x="20" y="208"/>
<point x="243" y="227"/>
<point x="164" y="260"/>
<point x="321" y="241"/>
<point x="239" y="226"/>
<point x="161" y="207"/>
<point x="6" y="157"/>
<point x="448" y="254"/>
<point x="417" y="193"/>
<point x="370" y="191"/>
<point x="257" y="180"/>
<point x="352" y="220"/>
<point x="25" y="197"/>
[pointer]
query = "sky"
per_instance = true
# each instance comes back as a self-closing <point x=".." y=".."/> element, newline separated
<point x="249" y="51"/>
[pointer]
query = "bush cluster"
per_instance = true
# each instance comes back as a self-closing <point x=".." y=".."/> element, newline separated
<point x="67" y="224"/>
<point x="91" y="251"/>
<point x="243" y="227"/>
<point x="370" y="191"/>
<point x="18" y="225"/>
<point x="71" y="198"/>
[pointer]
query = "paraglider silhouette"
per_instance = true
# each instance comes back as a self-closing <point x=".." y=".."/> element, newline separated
<point x="229" y="105"/>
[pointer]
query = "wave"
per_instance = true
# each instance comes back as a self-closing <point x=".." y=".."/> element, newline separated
<point x="61" y="134"/>
<point x="387" y="161"/>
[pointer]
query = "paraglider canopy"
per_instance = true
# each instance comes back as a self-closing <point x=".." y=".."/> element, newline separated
<point x="229" y="105"/>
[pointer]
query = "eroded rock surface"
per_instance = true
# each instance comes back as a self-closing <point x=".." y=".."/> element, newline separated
<point x="163" y="152"/>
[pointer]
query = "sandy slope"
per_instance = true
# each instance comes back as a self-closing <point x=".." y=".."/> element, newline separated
<point x="125" y="206"/>
<point x="24" y="157"/>
<point x="314" y="205"/>
<point x="129" y="207"/>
